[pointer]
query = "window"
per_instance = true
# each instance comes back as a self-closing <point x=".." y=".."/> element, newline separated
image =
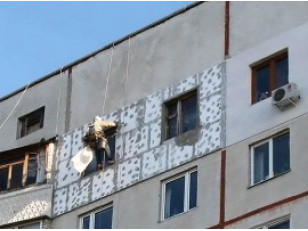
<point x="181" y="115"/>
<point x="278" y="224"/>
<point x="31" y="122"/>
<point x="18" y="170"/>
<point x="100" y="159"/>
<point x="179" y="194"/>
<point x="270" y="158"/>
<point x="100" y="219"/>
<point x="269" y="75"/>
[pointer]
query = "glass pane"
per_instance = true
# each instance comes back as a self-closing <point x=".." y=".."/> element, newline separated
<point x="33" y="128"/>
<point x="193" y="190"/>
<point x="283" y="225"/>
<point x="282" y="72"/>
<point x="189" y="113"/>
<point x="172" y="125"/>
<point x="86" y="222"/>
<point x="103" y="219"/>
<point x="32" y="170"/>
<point x="16" y="181"/>
<point x="263" y="83"/>
<point x="281" y="153"/>
<point x="4" y="173"/>
<point x="111" y="143"/>
<point x="174" y="198"/>
<point x="92" y="167"/>
<point x="172" y="110"/>
<point x="172" y="121"/>
<point x="36" y="225"/>
<point x="261" y="163"/>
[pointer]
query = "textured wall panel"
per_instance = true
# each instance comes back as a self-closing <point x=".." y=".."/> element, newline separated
<point x="25" y="204"/>
<point x="140" y="152"/>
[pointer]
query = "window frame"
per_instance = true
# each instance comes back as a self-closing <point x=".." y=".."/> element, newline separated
<point x="179" y="114"/>
<point x="92" y="213"/>
<point x="109" y="133"/>
<point x="268" y="140"/>
<point x="270" y="62"/>
<point x="187" y="180"/>
<point x="25" y="161"/>
<point x="22" y="129"/>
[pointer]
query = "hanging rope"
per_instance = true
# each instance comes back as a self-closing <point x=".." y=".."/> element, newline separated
<point x="108" y="76"/>
<point x="7" y="118"/>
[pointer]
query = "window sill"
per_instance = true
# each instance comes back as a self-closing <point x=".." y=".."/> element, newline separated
<point x="22" y="190"/>
<point x="177" y="215"/>
<point x="264" y="181"/>
<point x="188" y="137"/>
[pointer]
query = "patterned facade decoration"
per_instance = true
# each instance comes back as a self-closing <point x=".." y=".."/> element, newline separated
<point x="140" y="151"/>
<point x="26" y="204"/>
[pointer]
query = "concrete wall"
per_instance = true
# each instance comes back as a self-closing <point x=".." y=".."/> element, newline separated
<point x="139" y="206"/>
<point x="42" y="94"/>
<point x="295" y="211"/>
<point x="25" y="204"/>
<point x="240" y="198"/>
<point x="158" y="57"/>
<point x="251" y="23"/>
<point x="262" y="116"/>
<point x="140" y="152"/>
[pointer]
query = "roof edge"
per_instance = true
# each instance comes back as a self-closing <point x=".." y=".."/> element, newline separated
<point x="116" y="42"/>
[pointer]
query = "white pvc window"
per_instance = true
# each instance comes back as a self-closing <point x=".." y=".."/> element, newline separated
<point x="179" y="194"/>
<point x="270" y="158"/>
<point x="98" y="219"/>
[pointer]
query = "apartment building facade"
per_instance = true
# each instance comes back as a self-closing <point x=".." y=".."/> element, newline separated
<point x="198" y="143"/>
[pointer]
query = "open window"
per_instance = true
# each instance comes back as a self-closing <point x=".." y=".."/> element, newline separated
<point x="268" y="75"/>
<point x="20" y="168"/>
<point x="31" y="122"/>
<point x="100" y="159"/>
<point x="180" y="115"/>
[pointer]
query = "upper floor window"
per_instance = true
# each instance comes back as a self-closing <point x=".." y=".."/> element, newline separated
<point x="30" y="122"/>
<point x="179" y="194"/>
<point x="181" y="115"/>
<point x="99" y="219"/>
<point x="17" y="171"/>
<point x="268" y="76"/>
<point x="104" y="156"/>
<point x="270" y="158"/>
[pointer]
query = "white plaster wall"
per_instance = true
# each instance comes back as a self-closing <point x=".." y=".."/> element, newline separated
<point x="140" y="152"/>
<point x="158" y="57"/>
<point x="252" y="23"/>
<point x="245" y="120"/>
<point x="139" y="206"/>
<point x="240" y="198"/>
<point x="43" y="94"/>
<point x="25" y="204"/>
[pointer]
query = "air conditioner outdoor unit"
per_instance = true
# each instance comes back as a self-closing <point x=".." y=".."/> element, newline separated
<point x="285" y="95"/>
